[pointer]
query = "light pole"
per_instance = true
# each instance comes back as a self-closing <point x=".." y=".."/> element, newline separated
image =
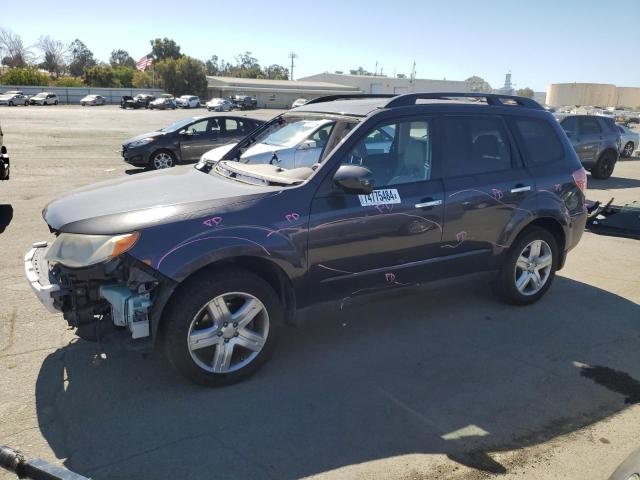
<point x="292" y="56"/>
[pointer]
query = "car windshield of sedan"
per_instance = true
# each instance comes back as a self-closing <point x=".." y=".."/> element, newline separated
<point x="40" y="95"/>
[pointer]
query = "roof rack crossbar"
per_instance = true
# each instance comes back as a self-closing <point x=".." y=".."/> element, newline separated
<point x="491" y="98"/>
<point x="355" y="96"/>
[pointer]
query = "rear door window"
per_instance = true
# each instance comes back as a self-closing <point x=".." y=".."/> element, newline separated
<point x="539" y="141"/>
<point x="589" y="126"/>
<point x="474" y="145"/>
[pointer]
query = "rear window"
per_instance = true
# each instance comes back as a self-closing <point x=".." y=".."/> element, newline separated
<point x="539" y="141"/>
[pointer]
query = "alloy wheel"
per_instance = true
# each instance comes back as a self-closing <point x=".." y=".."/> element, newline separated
<point x="533" y="267"/>
<point x="628" y="149"/>
<point x="162" y="160"/>
<point x="228" y="333"/>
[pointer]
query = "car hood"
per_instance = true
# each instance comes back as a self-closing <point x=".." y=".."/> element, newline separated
<point x="217" y="153"/>
<point x="148" y="199"/>
<point x="144" y="135"/>
<point x="263" y="150"/>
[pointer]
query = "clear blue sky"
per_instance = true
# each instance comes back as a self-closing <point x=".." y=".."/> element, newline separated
<point x="540" y="41"/>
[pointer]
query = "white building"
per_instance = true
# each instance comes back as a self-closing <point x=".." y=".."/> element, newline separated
<point x="381" y="84"/>
<point x="274" y="93"/>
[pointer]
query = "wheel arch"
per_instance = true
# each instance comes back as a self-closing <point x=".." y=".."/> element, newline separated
<point x="553" y="226"/>
<point x="266" y="269"/>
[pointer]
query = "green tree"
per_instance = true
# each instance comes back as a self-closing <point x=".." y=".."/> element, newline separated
<point x="69" y="82"/>
<point x="53" y="52"/>
<point x="478" y="84"/>
<point x="25" y="76"/>
<point x="185" y="75"/>
<point x="164" y="48"/>
<point x="276" y="72"/>
<point x="80" y="58"/>
<point x="12" y="51"/>
<point x="100" y="76"/>
<point x="142" y="80"/>
<point x="121" y="58"/>
<point x="211" y="66"/>
<point x="525" y="92"/>
<point x="123" y="76"/>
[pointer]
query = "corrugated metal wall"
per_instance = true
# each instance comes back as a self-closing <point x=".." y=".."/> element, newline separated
<point x="73" y="95"/>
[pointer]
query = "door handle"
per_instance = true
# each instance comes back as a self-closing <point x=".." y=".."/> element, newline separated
<point x="431" y="203"/>
<point x="519" y="189"/>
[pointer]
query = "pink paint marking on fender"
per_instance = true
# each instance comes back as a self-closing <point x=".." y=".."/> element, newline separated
<point x="461" y="236"/>
<point x="292" y="217"/>
<point x="557" y="187"/>
<point x="390" y="277"/>
<point x="497" y="194"/>
<point x="212" y="222"/>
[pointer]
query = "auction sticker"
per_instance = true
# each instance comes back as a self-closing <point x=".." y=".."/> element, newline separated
<point x="380" y="197"/>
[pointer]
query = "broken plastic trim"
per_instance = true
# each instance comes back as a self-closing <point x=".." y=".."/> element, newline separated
<point x="614" y="220"/>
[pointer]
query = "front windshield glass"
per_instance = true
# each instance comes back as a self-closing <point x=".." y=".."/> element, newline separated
<point x="40" y="95"/>
<point x="292" y="133"/>
<point x="179" y="125"/>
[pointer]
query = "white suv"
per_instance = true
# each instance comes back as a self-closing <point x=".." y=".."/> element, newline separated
<point x="188" y="101"/>
<point x="44" y="98"/>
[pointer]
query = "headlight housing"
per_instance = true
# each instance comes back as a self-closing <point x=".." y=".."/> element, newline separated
<point x="77" y="250"/>
<point x="142" y="141"/>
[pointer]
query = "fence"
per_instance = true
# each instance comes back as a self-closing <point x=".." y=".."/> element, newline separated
<point x="73" y="95"/>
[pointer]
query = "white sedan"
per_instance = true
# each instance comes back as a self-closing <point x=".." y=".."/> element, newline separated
<point x="14" y="97"/>
<point x="294" y="144"/>
<point x="93" y="100"/>
<point x="188" y="101"/>
<point x="44" y="98"/>
<point x="219" y="105"/>
<point x="629" y="140"/>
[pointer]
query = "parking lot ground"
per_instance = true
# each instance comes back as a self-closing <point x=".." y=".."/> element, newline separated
<point x="440" y="381"/>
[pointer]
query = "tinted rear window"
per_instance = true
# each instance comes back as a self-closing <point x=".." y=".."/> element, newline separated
<point x="539" y="141"/>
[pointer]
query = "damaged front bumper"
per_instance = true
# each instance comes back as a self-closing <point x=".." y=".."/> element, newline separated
<point x="122" y="290"/>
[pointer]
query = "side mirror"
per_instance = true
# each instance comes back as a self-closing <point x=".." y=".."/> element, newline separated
<point x="308" y="145"/>
<point x="354" y="179"/>
<point x="185" y="132"/>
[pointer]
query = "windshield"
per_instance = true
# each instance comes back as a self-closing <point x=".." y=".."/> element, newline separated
<point x="40" y="95"/>
<point x="292" y="133"/>
<point x="179" y="125"/>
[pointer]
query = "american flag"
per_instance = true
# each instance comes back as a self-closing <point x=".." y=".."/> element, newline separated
<point x="144" y="63"/>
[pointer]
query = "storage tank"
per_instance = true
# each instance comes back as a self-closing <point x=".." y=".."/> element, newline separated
<point x="600" y="94"/>
<point x="628" y="97"/>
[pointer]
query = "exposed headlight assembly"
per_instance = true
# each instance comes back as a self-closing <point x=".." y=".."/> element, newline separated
<point x="142" y="141"/>
<point x="76" y="250"/>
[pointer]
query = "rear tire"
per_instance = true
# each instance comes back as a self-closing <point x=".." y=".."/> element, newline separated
<point x="10" y="103"/>
<point x="223" y="359"/>
<point x="526" y="276"/>
<point x="604" y="166"/>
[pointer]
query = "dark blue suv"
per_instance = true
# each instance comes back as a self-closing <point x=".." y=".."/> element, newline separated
<point x="210" y="260"/>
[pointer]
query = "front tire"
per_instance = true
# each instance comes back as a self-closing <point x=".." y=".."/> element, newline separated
<point x="529" y="267"/>
<point x="10" y="103"/>
<point x="627" y="151"/>
<point x="162" y="159"/>
<point x="219" y="328"/>
<point x="604" y="166"/>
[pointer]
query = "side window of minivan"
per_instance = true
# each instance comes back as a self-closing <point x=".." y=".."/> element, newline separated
<point x="475" y="144"/>
<point x="589" y="126"/>
<point x="402" y="156"/>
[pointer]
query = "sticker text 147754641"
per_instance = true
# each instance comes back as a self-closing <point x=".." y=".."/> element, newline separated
<point x="380" y="197"/>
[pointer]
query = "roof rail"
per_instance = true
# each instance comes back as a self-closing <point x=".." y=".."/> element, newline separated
<point x="491" y="98"/>
<point x="354" y="96"/>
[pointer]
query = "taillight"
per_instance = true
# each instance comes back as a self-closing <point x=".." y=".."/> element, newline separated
<point x="580" y="177"/>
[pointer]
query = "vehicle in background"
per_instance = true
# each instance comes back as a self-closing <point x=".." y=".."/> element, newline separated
<point x="299" y="102"/>
<point x="244" y="102"/>
<point x="167" y="95"/>
<point x="163" y="104"/>
<point x="4" y="158"/>
<point x="185" y="140"/>
<point x="209" y="261"/>
<point x="13" y="98"/>
<point x="188" y="101"/>
<point x="629" y="141"/>
<point x="296" y="143"/>
<point x="596" y="140"/>
<point x="136" y="102"/>
<point x="93" y="100"/>
<point x="44" y="98"/>
<point x="219" y="105"/>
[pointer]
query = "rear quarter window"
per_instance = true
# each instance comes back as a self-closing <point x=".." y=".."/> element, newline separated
<point x="538" y="140"/>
